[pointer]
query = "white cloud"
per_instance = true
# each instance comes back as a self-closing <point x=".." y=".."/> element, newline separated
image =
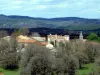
<point x="47" y="0"/>
<point x="51" y="6"/>
<point x="37" y="7"/>
<point x="17" y="2"/>
<point x="11" y="8"/>
<point x="41" y="7"/>
<point x="35" y="1"/>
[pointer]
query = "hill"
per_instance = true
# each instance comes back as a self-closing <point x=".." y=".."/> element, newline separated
<point x="69" y="23"/>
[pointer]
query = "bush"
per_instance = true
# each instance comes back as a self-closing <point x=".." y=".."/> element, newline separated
<point x="93" y="37"/>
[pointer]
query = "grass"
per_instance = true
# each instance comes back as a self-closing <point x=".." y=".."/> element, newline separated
<point x="87" y="69"/>
<point x="10" y="72"/>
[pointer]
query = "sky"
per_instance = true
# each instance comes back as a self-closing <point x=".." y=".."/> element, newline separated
<point x="51" y="8"/>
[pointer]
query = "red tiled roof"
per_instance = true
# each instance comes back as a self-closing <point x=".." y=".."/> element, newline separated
<point x="26" y="41"/>
<point x="31" y="41"/>
<point x="44" y="43"/>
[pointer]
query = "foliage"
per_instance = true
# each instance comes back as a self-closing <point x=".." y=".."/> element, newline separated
<point x="23" y="31"/>
<point x="3" y="33"/>
<point x="8" y="54"/>
<point x="66" y="62"/>
<point x="35" y="34"/>
<point x="93" y="37"/>
<point x="78" y="49"/>
<point x="92" y="51"/>
<point x="88" y="68"/>
<point x="36" y="60"/>
<point x="69" y="57"/>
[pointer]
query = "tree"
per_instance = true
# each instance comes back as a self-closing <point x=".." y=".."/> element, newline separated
<point x="66" y="62"/>
<point x="36" y="60"/>
<point x="78" y="49"/>
<point x="3" y="33"/>
<point x="69" y="56"/>
<point x="35" y="34"/>
<point x="97" y="64"/>
<point x="24" y="31"/>
<point x="8" y="54"/>
<point x="15" y="33"/>
<point x="93" y="37"/>
<point x="92" y="51"/>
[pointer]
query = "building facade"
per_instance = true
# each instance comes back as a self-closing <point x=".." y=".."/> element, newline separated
<point x="57" y="38"/>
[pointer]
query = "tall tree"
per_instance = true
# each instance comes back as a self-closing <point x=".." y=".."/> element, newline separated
<point x="8" y="54"/>
<point x="36" y="60"/>
<point x="66" y="62"/>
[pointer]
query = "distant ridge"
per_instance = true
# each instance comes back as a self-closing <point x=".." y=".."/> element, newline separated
<point x="69" y="23"/>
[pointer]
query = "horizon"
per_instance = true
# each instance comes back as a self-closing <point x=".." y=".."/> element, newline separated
<point x="48" y="18"/>
<point x="51" y="8"/>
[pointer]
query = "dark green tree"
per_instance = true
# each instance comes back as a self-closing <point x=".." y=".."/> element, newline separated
<point x="93" y="37"/>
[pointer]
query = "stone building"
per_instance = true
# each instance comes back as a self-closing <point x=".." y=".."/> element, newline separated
<point x="57" y="38"/>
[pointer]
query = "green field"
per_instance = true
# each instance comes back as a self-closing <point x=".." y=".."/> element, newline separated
<point x="9" y="72"/>
<point x="87" y="69"/>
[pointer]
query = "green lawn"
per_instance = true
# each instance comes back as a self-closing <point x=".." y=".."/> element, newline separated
<point x="87" y="69"/>
<point x="9" y="72"/>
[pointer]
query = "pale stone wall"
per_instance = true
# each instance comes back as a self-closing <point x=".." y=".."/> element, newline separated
<point x="58" y="38"/>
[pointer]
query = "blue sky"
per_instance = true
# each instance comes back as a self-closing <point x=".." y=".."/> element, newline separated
<point x="51" y="8"/>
